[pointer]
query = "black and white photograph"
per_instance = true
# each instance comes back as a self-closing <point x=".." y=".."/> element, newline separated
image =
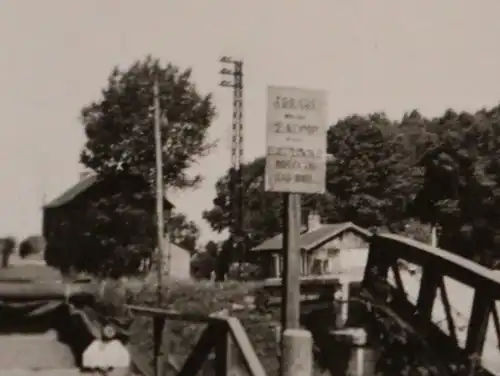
<point x="250" y="188"/>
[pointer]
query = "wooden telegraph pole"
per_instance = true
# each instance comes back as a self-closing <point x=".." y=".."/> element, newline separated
<point x="295" y="165"/>
<point x="291" y="262"/>
<point x="159" y="322"/>
<point x="160" y="195"/>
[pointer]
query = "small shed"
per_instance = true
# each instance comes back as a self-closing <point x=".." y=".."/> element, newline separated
<point x="180" y="261"/>
<point x="326" y="249"/>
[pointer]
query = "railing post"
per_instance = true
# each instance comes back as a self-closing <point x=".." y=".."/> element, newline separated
<point x="158" y="327"/>
<point x="429" y="283"/>
<point x="478" y="324"/>
<point x="377" y="266"/>
<point x="223" y="352"/>
<point x="343" y="294"/>
<point x="227" y="361"/>
<point x="363" y="356"/>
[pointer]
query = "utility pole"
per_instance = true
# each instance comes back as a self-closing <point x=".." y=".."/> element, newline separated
<point x="159" y="190"/>
<point x="236" y="186"/>
<point x="159" y="323"/>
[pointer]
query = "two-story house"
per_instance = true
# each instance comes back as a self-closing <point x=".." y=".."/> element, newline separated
<point x="326" y="249"/>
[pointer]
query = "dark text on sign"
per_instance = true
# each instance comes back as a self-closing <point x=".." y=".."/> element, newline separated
<point x="280" y="127"/>
<point x="290" y="103"/>
<point x="290" y="164"/>
<point x="293" y="178"/>
<point x="290" y="152"/>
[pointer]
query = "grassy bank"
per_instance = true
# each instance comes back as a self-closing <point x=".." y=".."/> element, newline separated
<point x="197" y="298"/>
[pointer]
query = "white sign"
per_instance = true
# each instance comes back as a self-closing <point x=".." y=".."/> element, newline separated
<point x="296" y="140"/>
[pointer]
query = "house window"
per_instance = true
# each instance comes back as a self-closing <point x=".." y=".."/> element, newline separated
<point x="319" y="267"/>
<point x="324" y="262"/>
<point x="303" y="264"/>
<point x="277" y="266"/>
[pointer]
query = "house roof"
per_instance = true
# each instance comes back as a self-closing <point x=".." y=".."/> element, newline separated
<point x="82" y="186"/>
<point x="313" y="239"/>
<point x="73" y="192"/>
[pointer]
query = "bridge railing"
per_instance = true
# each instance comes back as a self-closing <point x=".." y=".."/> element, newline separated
<point x="390" y="284"/>
<point x="223" y="336"/>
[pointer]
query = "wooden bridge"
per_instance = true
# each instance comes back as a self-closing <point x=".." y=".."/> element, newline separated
<point x="449" y="302"/>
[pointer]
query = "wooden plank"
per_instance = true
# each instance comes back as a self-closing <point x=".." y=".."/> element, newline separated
<point x="448" y="311"/>
<point x="427" y="293"/>
<point x="223" y="354"/>
<point x="158" y="328"/>
<point x="454" y="266"/>
<point x="496" y="322"/>
<point x="200" y="352"/>
<point x="171" y="315"/>
<point x="242" y="342"/>
<point x="399" y="281"/>
<point x="478" y="324"/>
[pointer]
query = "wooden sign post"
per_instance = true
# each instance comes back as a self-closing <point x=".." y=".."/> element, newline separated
<point x="295" y="165"/>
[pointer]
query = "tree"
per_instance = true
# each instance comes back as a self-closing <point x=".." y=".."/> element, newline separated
<point x="183" y="232"/>
<point x="263" y="211"/>
<point x="370" y="177"/>
<point x="114" y="234"/>
<point x="369" y="180"/>
<point x="33" y="244"/>
<point x="461" y="190"/>
<point x="204" y="263"/>
<point x="119" y="127"/>
<point x="120" y="140"/>
<point x="211" y="248"/>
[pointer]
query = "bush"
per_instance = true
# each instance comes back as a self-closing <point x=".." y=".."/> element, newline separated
<point x="245" y="272"/>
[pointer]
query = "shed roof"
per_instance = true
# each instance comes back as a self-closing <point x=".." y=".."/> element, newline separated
<point x="79" y="188"/>
<point x="72" y="192"/>
<point x="313" y="239"/>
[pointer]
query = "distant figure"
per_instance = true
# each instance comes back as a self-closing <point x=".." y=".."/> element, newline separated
<point x="7" y="246"/>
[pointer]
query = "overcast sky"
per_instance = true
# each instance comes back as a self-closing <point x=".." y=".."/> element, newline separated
<point x="385" y="55"/>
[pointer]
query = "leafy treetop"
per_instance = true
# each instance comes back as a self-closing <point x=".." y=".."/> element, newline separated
<point x="117" y="231"/>
<point x="119" y="126"/>
<point x="386" y="174"/>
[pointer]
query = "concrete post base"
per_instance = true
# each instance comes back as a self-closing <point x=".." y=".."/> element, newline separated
<point x="297" y="356"/>
<point x="362" y="360"/>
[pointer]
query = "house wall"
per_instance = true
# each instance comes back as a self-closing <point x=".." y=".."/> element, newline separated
<point x="352" y="251"/>
<point x="180" y="262"/>
<point x="60" y="230"/>
<point x="347" y="252"/>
